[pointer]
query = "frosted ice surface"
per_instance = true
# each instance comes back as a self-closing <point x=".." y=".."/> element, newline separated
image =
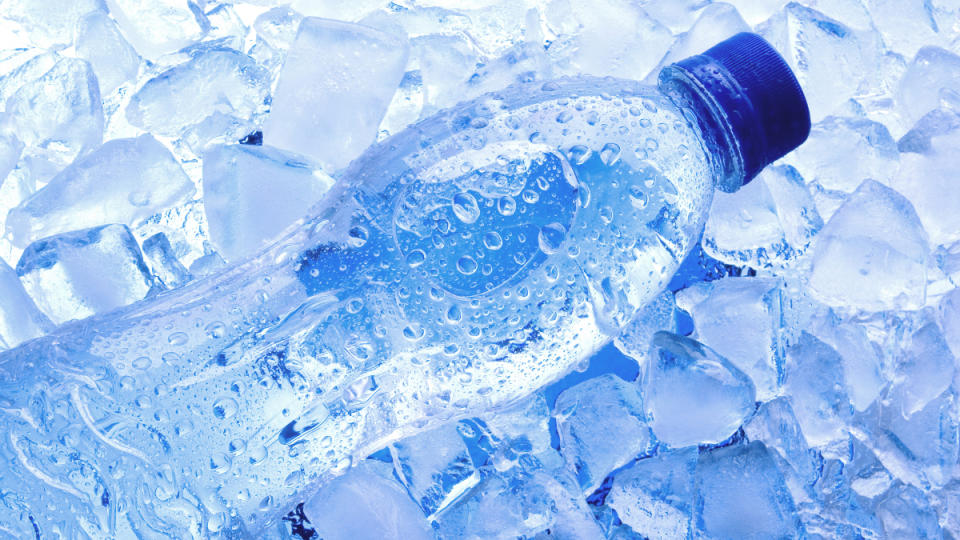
<point x="872" y="254"/>
<point x="741" y="494"/>
<point x="58" y="116"/>
<point x="770" y="221"/>
<point x="842" y="152"/>
<point x="76" y="274"/>
<point x="932" y="80"/>
<point x="333" y="90"/>
<point x="814" y="382"/>
<point x="739" y="318"/>
<point x="861" y="361"/>
<point x="715" y="23"/>
<point x="593" y="414"/>
<point x="833" y="62"/>
<point x="240" y="180"/>
<point x="924" y="369"/>
<point x="123" y="181"/>
<point x="226" y="88"/>
<point x="365" y="503"/>
<point x="20" y="319"/>
<point x="692" y="395"/>
<point x="100" y="42"/>
<point x="927" y="176"/>
<point x="156" y="27"/>
<point x="165" y="266"/>
<point x="435" y="467"/>
<point x="654" y="495"/>
<point x="660" y="314"/>
<point x="46" y="23"/>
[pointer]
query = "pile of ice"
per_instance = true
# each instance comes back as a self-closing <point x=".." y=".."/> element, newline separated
<point x="798" y="378"/>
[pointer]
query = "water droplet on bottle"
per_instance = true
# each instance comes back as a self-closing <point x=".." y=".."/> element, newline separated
<point x="216" y="330"/>
<point x="139" y="198"/>
<point x="358" y="236"/>
<point x="610" y="153"/>
<point x="466" y="265"/>
<point x="413" y="332"/>
<point x="564" y="117"/>
<point x="416" y="257"/>
<point x="551" y="238"/>
<point x="141" y="363"/>
<point x="465" y="207"/>
<point x="506" y="205"/>
<point x="220" y="463"/>
<point x="237" y="446"/>
<point x="492" y="240"/>
<point x="530" y="196"/>
<point x="606" y="214"/>
<point x="638" y="197"/>
<point x="652" y="144"/>
<point x="177" y="338"/>
<point x="454" y="314"/>
<point x="536" y="137"/>
<point x="579" y="154"/>
<point x="224" y="408"/>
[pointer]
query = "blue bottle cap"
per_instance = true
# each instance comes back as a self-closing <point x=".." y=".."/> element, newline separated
<point x="757" y="94"/>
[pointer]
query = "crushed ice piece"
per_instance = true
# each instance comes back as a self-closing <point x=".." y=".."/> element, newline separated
<point x="814" y="383"/>
<point x="226" y="27"/>
<point x="58" y="116"/>
<point x="924" y="442"/>
<point x="20" y="319"/>
<point x="660" y="314"/>
<point x="48" y="24"/>
<point x="924" y="370"/>
<point x="333" y="90"/>
<point x="165" y="266"/>
<point x="715" y="23"/>
<point x="207" y="264"/>
<point x="776" y="426"/>
<point x="184" y="225"/>
<point x="590" y="417"/>
<point x="226" y="88"/>
<point x="928" y="177"/>
<point x="240" y="180"/>
<point x="365" y="503"/>
<point x="739" y="318"/>
<point x="156" y="27"/>
<point x="842" y="152"/>
<point x="276" y="29"/>
<point x="654" y="495"/>
<point x="932" y="80"/>
<point x="832" y="61"/>
<point x="770" y="221"/>
<point x="692" y="395"/>
<point x="123" y="181"/>
<point x="740" y="493"/>
<point x="76" y="274"/>
<point x="905" y="512"/>
<point x="435" y="467"/>
<point x="862" y="365"/>
<point x="872" y="254"/>
<point x="100" y="42"/>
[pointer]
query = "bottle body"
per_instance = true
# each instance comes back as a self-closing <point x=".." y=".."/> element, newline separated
<point x="458" y="266"/>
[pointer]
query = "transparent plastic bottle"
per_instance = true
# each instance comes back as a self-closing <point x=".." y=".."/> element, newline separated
<point x="458" y="266"/>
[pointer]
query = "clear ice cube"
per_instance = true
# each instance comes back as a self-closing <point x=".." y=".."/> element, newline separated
<point x="333" y="90"/>
<point x="100" y="42"/>
<point x="602" y="426"/>
<point x="924" y="370"/>
<point x="660" y="314"/>
<point x="159" y="255"/>
<point x="814" y="382"/>
<point x="872" y="254"/>
<point x="654" y="495"/>
<point x="77" y="274"/>
<point x="715" y="23"/>
<point x="20" y="319"/>
<point x="156" y="27"/>
<point x="240" y="180"/>
<point x="46" y="23"/>
<point x="692" y="395"/>
<point x="123" y="181"/>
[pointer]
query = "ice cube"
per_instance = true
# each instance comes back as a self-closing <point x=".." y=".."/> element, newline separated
<point x="275" y="29"/>
<point x="156" y="27"/>
<point x="932" y="80"/>
<point x="435" y="467"/>
<point x="872" y="254"/>
<point x="769" y="222"/>
<point x="924" y="443"/>
<point x="741" y="494"/>
<point x="861" y="362"/>
<point x="123" y="181"/>
<point x="924" y="369"/>
<point x="47" y="24"/>
<point x="814" y="383"/>
<point x="20" y="319"/>
<point x="365" y="503"/>
<point x="240" y="180"/>
<point x="590" y="416"/>
<point x="100" y="42"/>
<point x="446" y="62"/>
<point x="59" y="115"/>
<point x="226" y="88"/>
<point x="660" y="314"/>
<point x="654" y="495"/>
<point x="76" y="274"/>
<point x="333" y="90"/>
<point x="675" y="14"/>
<point x="739" y="318"/>
<point x="757" y="11"/>
<point x="226" y="27"/>
<point x="336" y="9"/>
<point x="30" y="66"/>
<point x="928" y="180"/>
<point x="524" y="425"/>
<point x="906" y="25"/>
<point x="950" y="319"/>
<point x="10" y="149"/>
<point x="776" y="426"/>
<point x="715" y="23"/>
<point x="833" y="62"/>
<point x="905" y="512"/>
<point x="165" y="265"/>
<point x="692" y="395"/>
<point x="842" y="152"/>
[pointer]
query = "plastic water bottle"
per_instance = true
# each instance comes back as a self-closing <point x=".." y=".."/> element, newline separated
<point x="458" y="266"/>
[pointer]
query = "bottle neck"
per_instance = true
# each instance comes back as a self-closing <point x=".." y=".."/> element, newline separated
<point x="700" y="107"/>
